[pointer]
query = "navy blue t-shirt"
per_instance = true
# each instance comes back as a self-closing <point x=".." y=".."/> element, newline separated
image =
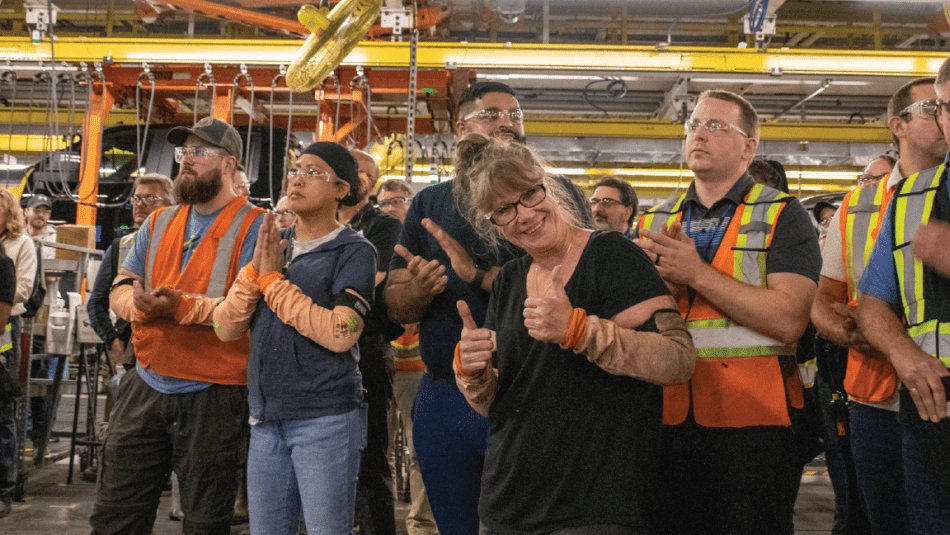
<point x="441" y="326"/>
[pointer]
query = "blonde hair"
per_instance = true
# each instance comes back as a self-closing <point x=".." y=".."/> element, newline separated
<point x="14" y="215"/>
<point x="488" y="168"/>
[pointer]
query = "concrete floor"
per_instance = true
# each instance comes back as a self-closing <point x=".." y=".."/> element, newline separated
<point x="51" y="507"/>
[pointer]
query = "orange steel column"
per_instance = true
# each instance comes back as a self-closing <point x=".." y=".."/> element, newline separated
<point x="222" y="104"/>
<point x="99" y="106"/>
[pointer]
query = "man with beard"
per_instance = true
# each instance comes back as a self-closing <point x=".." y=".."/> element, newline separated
<point x="441" y="260"/>
<point x="614" y="206"/>
<point x="185" y="406"/>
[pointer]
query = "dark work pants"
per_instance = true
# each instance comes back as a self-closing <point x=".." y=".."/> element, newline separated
<point x="726" y="481"/>
<point x="201" y="435"/>
<point x="375" y="512"/>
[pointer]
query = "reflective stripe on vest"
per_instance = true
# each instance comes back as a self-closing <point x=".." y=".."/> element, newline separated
<point x="863" y="212"/>
<point x="807" y="372"/>
<point x="913" y="207"/>
<point x="740" y="377"/>
<point x="868" y="379"/>
<point x="723" y="338"/>
<point x="6" y="339"/>
<point x="933" y="338"/>
<point x="219" y="271"/>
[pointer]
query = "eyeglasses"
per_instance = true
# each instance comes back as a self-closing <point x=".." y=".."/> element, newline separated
<point x="923" y="108"/>
<point x="194" y="152"/>
<point x="280" y="213"/>
<point x="943" y="107"/>
<point x="309" y="174"/>
<point x="714" y="126"/>
<point x="491" y="115"/>
<point x="867" y="179"/>
<point x="606" y="203"/>
<point x="395" y="201"/>
<point x="529" y="199"/>
<point x="147" y="199"/>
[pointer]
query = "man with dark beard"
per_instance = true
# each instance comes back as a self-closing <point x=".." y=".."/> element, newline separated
<point x="185" y="407"/>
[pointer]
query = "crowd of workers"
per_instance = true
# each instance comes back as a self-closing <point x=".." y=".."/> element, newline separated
<point x="557" y="366"/>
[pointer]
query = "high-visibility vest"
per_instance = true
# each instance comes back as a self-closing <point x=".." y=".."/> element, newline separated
<point x="406" y="356"/>
<point x="194" y="351"/>
<point x="742" y="378"/>
<point x="913" y="207"/>
<point x="6" y="338"/>
<point x="868" y="378"/>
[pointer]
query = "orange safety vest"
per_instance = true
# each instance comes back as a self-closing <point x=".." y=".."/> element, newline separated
<point x="194" y="351"/>
<point x="868" y="379"/>
<point x="406" y="356"/>
<point x="742" y="378"/>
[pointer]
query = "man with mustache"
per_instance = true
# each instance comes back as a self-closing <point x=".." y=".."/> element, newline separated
<point x="185" y="405"/>
<point x="614" y="206"/>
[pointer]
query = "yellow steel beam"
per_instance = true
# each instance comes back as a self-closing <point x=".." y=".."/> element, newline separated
<point x="489" y="56"/>
<point x="662" y="180"/>
<point x="30" y="143"/>
<point x="857" y="133"/>
<point x="22" y="116"/>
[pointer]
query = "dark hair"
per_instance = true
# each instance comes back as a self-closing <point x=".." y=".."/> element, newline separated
<point x="396" y="185"/>
<point x="903" y="98"/>
<point x="491" y="167"/>
<point x="770" y="173"/>
<point x="628" y="197"/>
<point x="477" y="91"/>
<point x="750" y="119"/>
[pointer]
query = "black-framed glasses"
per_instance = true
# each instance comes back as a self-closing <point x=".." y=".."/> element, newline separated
<point x="714" y="126"/>
<point x="194" y="152"/>
<point x="491" y="115"/>
<point x="606" y="203"/>
<point x="923" y="108"/>
<point x="145" y="199"/>
<point x="529" y="199"/>
<point x="394" y="201"/>
<point x="943" y="107"/>
<point x="865" y="178"/>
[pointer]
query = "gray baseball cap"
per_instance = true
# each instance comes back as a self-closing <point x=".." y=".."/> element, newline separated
<point x="39" y="200"/>
<point x="213" y="131"/>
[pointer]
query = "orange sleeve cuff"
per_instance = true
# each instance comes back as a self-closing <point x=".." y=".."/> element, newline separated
<point x="269" y="278"/>
<point x="576" y="333"/>
<point x="459" y="369"/>
<point x="185" y="304"/>
<point x="252" y="273"/>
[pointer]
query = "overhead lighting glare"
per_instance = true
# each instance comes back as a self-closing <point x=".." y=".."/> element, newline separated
<point x="567" y="77"/>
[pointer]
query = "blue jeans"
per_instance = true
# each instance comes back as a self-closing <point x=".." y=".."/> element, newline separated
<point x="450" y="440"/>
<point x="876" y="438"/>
<point x="308" y="465"/>
<point x="926" y="470"/>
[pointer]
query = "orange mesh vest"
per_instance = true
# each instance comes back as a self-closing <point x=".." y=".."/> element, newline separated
<point x="742" y="378"/>
<point x="868" y="379"/>
<point x="194" y="351"/>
